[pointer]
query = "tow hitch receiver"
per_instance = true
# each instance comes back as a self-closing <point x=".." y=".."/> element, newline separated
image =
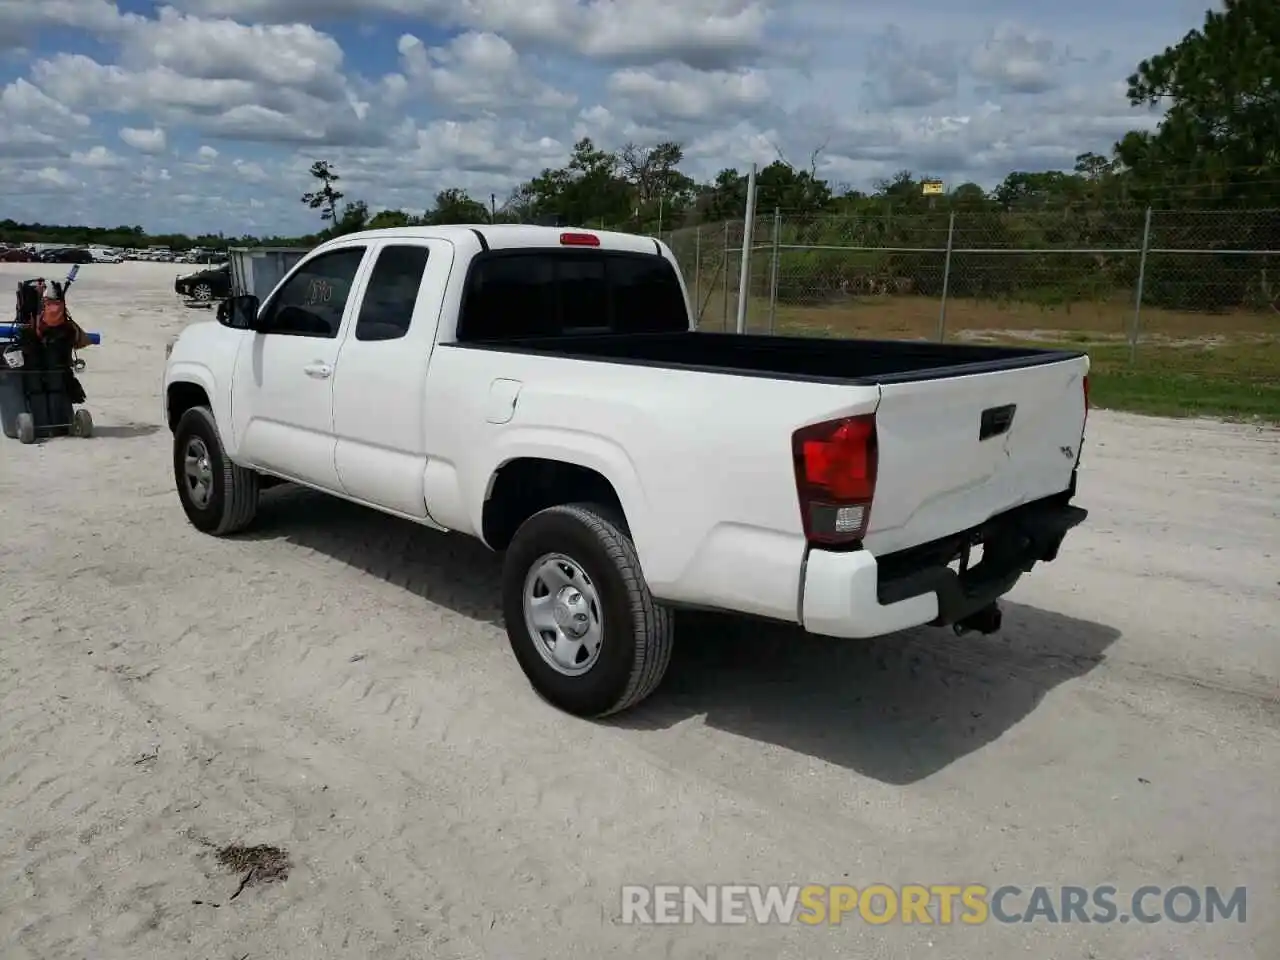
<point x="987" y="620"/>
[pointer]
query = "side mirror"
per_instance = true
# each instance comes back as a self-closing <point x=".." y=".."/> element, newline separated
<point x="239" y="313"/>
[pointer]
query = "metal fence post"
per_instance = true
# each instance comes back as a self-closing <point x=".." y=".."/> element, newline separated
<point x="773" y="268"/>
<point x="697" y="275"/>
<point x="744" y="268"/>
<point x="724" y="306"/>
<point x="946" y="278"/>
<point x="1142" y="280"/>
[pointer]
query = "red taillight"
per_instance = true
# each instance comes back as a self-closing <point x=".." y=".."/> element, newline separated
<point x="1086" y="394"/>
<point x="579" y="240"/>
<point x="835" y="466"/>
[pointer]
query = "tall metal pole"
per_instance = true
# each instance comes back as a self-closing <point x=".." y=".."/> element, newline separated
<point x="773" y="269"/>
<point x="1142" y="280"/>
<point x="748" y="229"/>
<point x="946" y="278"/>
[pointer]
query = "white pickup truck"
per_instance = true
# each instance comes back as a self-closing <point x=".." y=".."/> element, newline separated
<point x="548" y="392"/>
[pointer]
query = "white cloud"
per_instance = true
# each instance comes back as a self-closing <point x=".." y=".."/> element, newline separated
<point x="681" y="93"/>
<point x="902" y="73"/>
<point x="56" y="177"/>
<point x="35" y="124"/>
<point x="23" y="101"/>
<point x="1017" y="60"/>
<point x="21" y="20"/>
<point x="144" y="141"/>
<point x="407" y="97"/>
<point x="293" y="55"/>
<point x="250" y="171"/>
<point x="475" y="70"/>
<point x="98" y="157"/>
<point x="702" y="33"/>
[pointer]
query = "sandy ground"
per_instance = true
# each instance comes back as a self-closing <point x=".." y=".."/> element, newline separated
<point x="338" y="683"/>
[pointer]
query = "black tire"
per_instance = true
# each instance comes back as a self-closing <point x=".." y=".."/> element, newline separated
<point x="233" y="494"/>
<point x="637" y="630"/>
<point x="26" y="428"/>
<point x="82" y="424"/>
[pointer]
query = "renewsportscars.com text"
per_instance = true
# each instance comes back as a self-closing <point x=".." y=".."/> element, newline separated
<point x="942" y="904"/>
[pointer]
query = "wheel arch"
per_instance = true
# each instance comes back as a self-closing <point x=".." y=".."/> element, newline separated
<point x="531" y="468"/>
<point x="526" y="485"/>
<point x="181" y="396"/>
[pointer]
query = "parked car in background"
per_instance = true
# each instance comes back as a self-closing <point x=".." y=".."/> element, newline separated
<point x="66" y="255"/>
<point x="205" y="285"/>
<point x="105" y="255"/>
<point x="17" y="255"/>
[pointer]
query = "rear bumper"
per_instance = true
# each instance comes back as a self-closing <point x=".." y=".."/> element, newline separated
<point x="857" y="595"/>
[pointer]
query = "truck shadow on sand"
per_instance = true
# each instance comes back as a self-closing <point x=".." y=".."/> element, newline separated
<point x="127" y="431"/>
<point x="456" y="572"/>
<point x="896" y="709"/>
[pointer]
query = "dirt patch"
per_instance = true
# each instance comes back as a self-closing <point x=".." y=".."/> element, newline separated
<point x="255" y="865"/>
<point x="258" y="864"/>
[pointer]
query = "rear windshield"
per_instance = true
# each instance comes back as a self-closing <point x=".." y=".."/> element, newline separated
<point x="511" y="295"/>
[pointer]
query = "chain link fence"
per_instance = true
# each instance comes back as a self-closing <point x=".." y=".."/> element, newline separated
<point x="1115" y="275"/>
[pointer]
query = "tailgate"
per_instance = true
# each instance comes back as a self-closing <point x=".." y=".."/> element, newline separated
<point x="958" y="450"/>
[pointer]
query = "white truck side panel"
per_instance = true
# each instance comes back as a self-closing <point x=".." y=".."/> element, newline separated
<point x="701" y="462"/>
<point x="204" y="355"/>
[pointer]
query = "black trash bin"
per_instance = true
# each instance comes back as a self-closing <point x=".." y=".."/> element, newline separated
<point x="43" y="392"/>
<point x="13" y="398"/>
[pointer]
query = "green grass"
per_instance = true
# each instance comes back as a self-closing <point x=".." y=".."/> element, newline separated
<point x="1188" y="364"/>
<point x="1235" y="381"/>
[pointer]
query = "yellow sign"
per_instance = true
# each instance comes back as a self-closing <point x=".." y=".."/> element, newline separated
<point x="931" y="188"/>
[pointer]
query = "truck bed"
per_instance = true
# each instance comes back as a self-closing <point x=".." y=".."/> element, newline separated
<point x="794" y="358"/>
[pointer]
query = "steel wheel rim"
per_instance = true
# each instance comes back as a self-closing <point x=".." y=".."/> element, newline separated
<point x="197" y="472"/>
<point x="563" y="615"/>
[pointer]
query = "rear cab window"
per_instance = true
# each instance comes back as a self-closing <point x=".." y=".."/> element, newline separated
<point x="391" y="293"/>
<point x="520" y="294"/>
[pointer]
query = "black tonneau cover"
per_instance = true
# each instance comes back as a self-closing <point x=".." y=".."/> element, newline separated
<point x="803" y="358"/>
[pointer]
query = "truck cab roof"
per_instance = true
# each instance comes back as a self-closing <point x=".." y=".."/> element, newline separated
<point x="511" y="236"/>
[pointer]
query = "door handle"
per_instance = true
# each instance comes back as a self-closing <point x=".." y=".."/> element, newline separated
<point x="321" y="371"/>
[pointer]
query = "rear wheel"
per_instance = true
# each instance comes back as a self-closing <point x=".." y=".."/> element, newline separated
<point x="26" y="428"/>
<point x="218" y="496"/>
<point x="82" y="424"/>
<point x="202" y="292"/>
<point x="580" y="619"/>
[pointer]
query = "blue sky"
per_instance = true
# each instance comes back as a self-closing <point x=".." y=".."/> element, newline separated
<point x="205" y="114"/>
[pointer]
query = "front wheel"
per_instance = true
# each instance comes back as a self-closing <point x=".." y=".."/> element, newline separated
<point x="580" y="619"/>
<point x="218" y="496"/>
